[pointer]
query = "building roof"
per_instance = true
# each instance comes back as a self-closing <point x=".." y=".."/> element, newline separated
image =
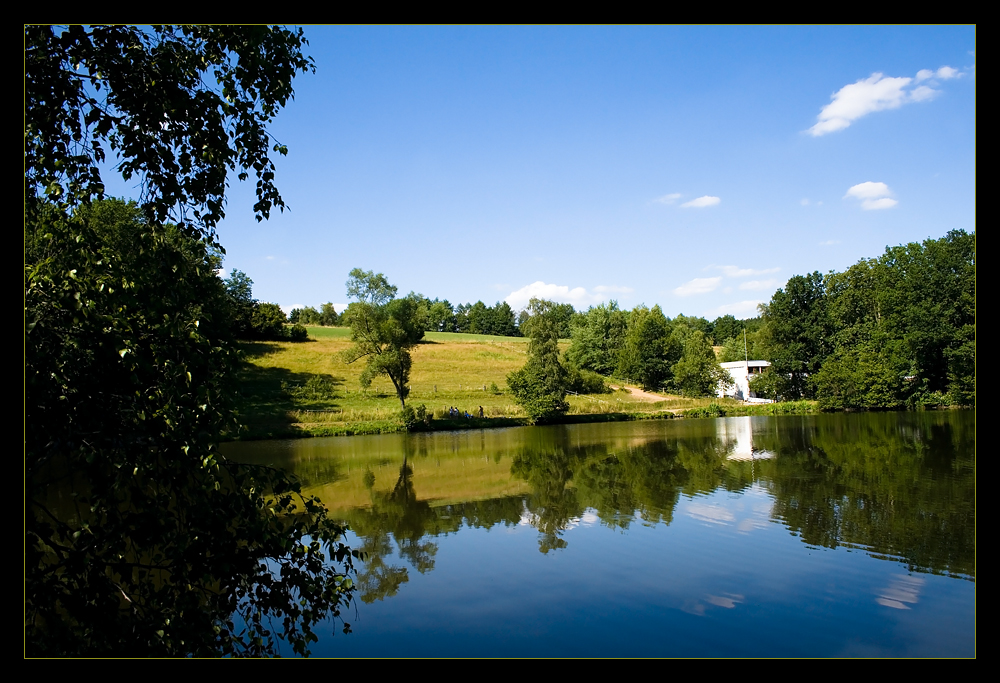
<point x="743" y="364"/>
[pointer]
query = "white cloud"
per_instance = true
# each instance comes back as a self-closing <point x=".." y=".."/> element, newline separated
<point x="701" y="202"/>
<point x="944" y="73"/>
<point x="699" y="285"/>
<point x="669" y="198"/>
<point x="828" y="243"/>
<point x="876" y="93"/>
<point x="770" y="283"/>
<point x="884" y="203"/>
<point x="578" y="296"/>
<point x="873" y="195"/>
<point x="868" y="190"/>
<point x="742" y="309"/>
<point x="804" y="202"/>
<point x="736" y="271"/>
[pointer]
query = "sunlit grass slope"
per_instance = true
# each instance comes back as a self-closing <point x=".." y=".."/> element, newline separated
<point x="299" y="389"/>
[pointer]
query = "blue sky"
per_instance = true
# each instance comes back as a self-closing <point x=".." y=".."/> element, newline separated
<point x="697" y="168"/>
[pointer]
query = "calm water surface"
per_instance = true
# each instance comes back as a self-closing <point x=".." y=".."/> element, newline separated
<point x="825" y="535"/>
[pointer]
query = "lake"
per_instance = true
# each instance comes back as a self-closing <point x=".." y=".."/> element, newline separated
<point x="816" y="536"/>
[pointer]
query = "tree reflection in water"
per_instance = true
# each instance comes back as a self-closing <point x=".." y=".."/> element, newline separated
<point x="898" y="485"/>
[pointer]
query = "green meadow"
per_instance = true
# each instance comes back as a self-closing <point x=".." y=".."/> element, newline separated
<point x="306" y="389"/>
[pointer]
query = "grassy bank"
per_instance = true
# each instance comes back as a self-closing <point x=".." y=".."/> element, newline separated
<point x="306" y="389"/>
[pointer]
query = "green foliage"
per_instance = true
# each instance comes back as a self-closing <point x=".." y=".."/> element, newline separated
<point x="711" y="410"/>
<point x="416" y="419"/>
<point x="383" y="330"/>
<point x="725" y="327"/>
<point x="141" y="538"/>
<point x="598" y="337"/>
<point x="650" y="350"/>
<point x="540" y="386"/>
<point x="558" y="315"/>
<point x="766" y="385"/>
<point x="316" y="388"/>
<point x="697" y="373"/>
<point x="252" y="319"/>
<point x="751" y="347"/>
<point x="268" y="321"/>
<point x="304" y="316"/>
<point x="440" y="317"/>
<point x="298" y="333"/>
<point x="585" y="381"/>
<point x="179" y="106"/>
<point x="328" y="315"/>
<point x="905" y="328"/>
<point x="862" y="377"/>
<point x="799" y="332"/>
<point x="477" y="318"/>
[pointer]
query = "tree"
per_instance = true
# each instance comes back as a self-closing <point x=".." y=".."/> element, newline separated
<point x="540" y="386"/>
<point x="328" y="315"/>
<point x="440" y="317"/>
<point x="252" y="319"/>
<point x="598" y="338"/>
<point x="239" y="287"/>
<point x="799" y="329"/>
<point x="383" y="330"/>
<point x="269" y="321"/>
<point x="697" y="373"/>
<point x="305" y="316"/>
<point x="144" y="95"/>
<point x="140" y="537"/>
<point x="904" y="328"/>
<point x="649" y="350"/>
<point x="724" y="327"/>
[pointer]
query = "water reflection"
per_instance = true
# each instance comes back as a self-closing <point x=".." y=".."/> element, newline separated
<point x="897" y="486"/>
<point x="737" y="432"/>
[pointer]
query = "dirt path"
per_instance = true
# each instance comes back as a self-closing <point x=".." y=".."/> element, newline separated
<point x="640" y="394"/>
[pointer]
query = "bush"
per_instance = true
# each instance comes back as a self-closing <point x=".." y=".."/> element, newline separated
<point x="268" y="322"/>
<point x="416" y="419"/>
<point x="766" y="384"/>
<point x="317" y="387"/>
<point x="585" y="381"/>
<point x="298" y="333"/>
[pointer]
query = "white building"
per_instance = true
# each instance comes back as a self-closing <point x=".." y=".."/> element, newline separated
<point x="742" y="371"/>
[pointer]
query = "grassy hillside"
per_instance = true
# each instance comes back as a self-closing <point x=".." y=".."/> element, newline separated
<point x="304" y="389"/>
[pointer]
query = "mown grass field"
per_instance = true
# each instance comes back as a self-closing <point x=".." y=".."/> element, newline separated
<point x="306" y="389"/>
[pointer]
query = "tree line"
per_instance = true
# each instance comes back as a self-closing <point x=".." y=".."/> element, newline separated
<point x="437" y="315"/>
<point x="892" y="332"/>
<point x="897" y="331"/>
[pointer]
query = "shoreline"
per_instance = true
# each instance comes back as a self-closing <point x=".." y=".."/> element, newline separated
<point x="452" y="424"/>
